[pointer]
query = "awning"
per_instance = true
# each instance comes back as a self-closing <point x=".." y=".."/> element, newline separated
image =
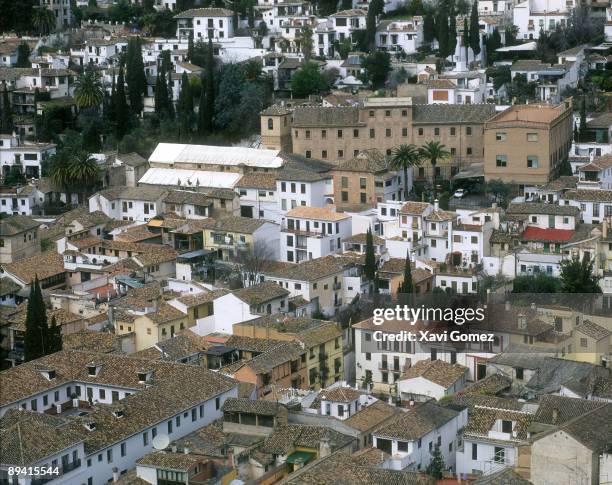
<point x="302" y="457"/>
<point x="471" y="171"/>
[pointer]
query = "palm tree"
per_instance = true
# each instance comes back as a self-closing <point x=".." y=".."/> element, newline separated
<point x="404" y="157"/>
<point x="88" y="90"/>
<point x="434" y="151"/>
<point x="43" y="20"/>
<point x="83" y="171"/>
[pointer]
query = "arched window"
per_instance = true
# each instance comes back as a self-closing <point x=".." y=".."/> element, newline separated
<point x="270" y="124"/>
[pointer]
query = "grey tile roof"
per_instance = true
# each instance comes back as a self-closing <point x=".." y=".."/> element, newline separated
<point x="261" y="293"/>
<point x="243" y="225"/>
<point x="13" y="225"/>
<point x="542" y="208"/>
<point x="310" y="270"/>
<point x="267" y="361"/>
<point x="558" y="410"/>
<point x="251" y="344"/>
<point x="506" y="476"/>
<point x="593" y="429"/>
<point x="416" y="422"/>
<point x="285" y="438"/>
<point x="321" y="117"/>
<point x="591" y="329"/>
<point x="204" y="12"/>
<point x="452" y="113"/>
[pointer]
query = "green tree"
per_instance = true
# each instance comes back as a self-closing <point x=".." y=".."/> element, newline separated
<point x="36" y="331"/>
<point x="122" y="121"/>
<point x="369" y="268"/>
<point x="135" y="76"/>
<point x="6" y="116"/>
<point x="91" y="138"/>
<point x="210" y="87"/>
<point x="404" y="157"/>
<point x="88" y="92"/>
<point x="308" y="80"/>
<point x="429" y="27"/>
<point x="407" y="286"/>
<point x="185" y="104"/>
<point x="375" y="9"/>
<point x="493" y="43"/>
<point x="43" y="20"/>
<point x="443" y="31"/>
<point x="54" y="337"/>
<point x="500" y="189"/>
<point x="538" y="283"/>
<point x="474" y="29"/>
<point x="23" y="55"/>
<point x="434" y="151"/>
<point x="190" y="48"/>
<point x="377" y="66"/>
<point x="577" y="276"/>
<point x="582" y="130"/>
<point x="466" y="41"/>
<point x="436" y="466"/>
<point x="305" y="41"/>
<point x="452" y="30"/>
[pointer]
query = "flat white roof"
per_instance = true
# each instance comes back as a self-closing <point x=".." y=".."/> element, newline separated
<point x="190" y="178"/>
<point x="528" y="46"/>
<point x="213" y="155"/>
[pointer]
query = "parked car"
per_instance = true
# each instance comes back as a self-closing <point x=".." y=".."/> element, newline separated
<point x="460" y="193"/>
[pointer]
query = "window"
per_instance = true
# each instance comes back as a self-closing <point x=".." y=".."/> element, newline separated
<point x="468" y="130"/>
<point x="388" y="132"/>
<point x="500" y="136"/>
<point x="123" y="449"/>
<point x="217" y="403"/>
<point x="340" y="153"/>
<point x="452" y="131"/>
<point x="109" y="456"/>
<point x="308" y="134"/>
<point x="506" y="426"/>
<point x="372" y="133"/>
<point x="584" y="343"/>
<point x="436" y="131"/>
<point x="339" y="134"/>
<point x="532" y="161"/>
<point x="323" y="134"/>
<point x="499" y="455"/>
<point x="169" y="426"/>
<point x="404" y="132"/>
<point x="387" y="113"/>
<point x="532" y="137"/>
<point x="501" y="161"/>
<point x="308" y="154"/>
<point x="519" y="373"/>
<point x="344" y="195"/>
<point x="145" y="438"/>
<point x="368" y="355"/>
<point x="368" y="337"/>
<point x="402" y="446"/>
<point x="371" y="113"/>
<point x="270" y="124"/>
<point x="468" y="150"/>
<point x="474" y="451"/>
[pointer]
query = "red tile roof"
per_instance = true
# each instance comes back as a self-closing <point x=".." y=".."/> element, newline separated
<point x="553" y="235"/>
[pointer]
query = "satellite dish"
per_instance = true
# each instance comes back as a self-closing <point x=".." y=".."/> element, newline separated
<point x="161" y="442"/>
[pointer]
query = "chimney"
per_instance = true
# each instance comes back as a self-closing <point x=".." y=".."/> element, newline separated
<point x="522" y="321"/>
<point x="324" y="448"/>
<point x="507" y="306"/>
<point x="555" y="416"/>
<point x="436" y="205"/>
<point x="186" y="450"/>
<point x="115" y="474"/>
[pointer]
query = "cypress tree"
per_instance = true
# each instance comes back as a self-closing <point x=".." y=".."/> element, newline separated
<point x="185" y="104"/>
<point x="135" y="76"/>
<point x="370" y="259"/>
<point x="466" y="40"/>
<point x="407" y="286"/>
<point x="36" y="333"/>
<point x="210" y="86"/>
<point x="190" y="48"/>
<point x="474" y="29"/>
<point x="121" y="108"/>
<point x="6" y="119"/>
<point x="203" y="127"/>
<point x="442" y="25"/>
<point x="583" y="121"/>
<point x="55" y="337"/>
<point x="452" y="30"/>
<point x="429" y="27"/>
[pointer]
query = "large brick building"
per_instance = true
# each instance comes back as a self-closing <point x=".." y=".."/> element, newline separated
<point x="527" y="144"/>
<point x="340" y="133"/>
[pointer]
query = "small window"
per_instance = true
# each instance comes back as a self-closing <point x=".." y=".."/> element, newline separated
<point x="500" y="136"/>
<point x="532" y="137"/>
<point x="501" y="161"/>
<point x="532" y="161"/>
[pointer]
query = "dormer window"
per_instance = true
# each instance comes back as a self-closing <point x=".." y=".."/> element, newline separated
<point x="506" y="426"/>
<point x="144" y="376"/>
<point x="118" y="413"/>
<point x="93" y="369"/>
<point x="90" y="425"/>
<point x="48" y="374"/>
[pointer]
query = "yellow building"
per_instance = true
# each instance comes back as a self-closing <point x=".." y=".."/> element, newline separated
<point x="154" y="327"/>
<point x="321" y="339"/>
<point x="233" y="235"/>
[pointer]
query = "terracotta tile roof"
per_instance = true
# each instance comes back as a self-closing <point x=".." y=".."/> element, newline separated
<point x="367" y="161"/>
<point x="320" y="117"/>
<point x="269" y="360"/>
<point x="204" y="12"/>
<point x="302" y="175"/>
<point x="361" y="239"/>
<point x="320" y="334"/>
<point x="339" y="394"/>
<point x="103" y="342"/>
<point x="506" y="476"/>
<point x="257" y="180"/>
<point x="490" y="385"/>
<point x="558" y="410"/>
<point x="243" y="225"/>
<point x="261" y="293"/>
<point x="187" y="197"/>
<point x="326" y="213"/>
<point x="135" y="234"/>
<point x="591" y="195"/>
<point x="29" y="437"/>
<point x="8" y="286"/>
<point x="146" y="193"/>
<point x="251" y="344"/>
<point x="43" y="265"/>
<point x="371" y="456"/>
<point x="201" y="298"/>
<point x="546" y="235"/>
<point x="416" y="423"/>
<point x="151" y="254"/>
<point x="371" y="416"/>
<point x="437" y="371"/>
<point x="440" y="84"/>
<point x="593" y="429"/>
<point x="311" y="270"/>
<point x="591" y="329"/>
<point x="482" y="419"/>
<point x="165" y="313"/>
<point x="452" y="113"/>
<point x="414" y="207"/>
<point x="286" y="438"/>
<point x="241" y="405"/>
<point x="440" y="215"/>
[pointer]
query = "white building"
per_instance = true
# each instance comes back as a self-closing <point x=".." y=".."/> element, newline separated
<point x="258" y="196"/>
<point x="432" y="378"/>
<point x="106" y="437"/>
<point x="296" y="188"/>
<point x="20" y="200"/>
<point x="205" y="23"/>
<point x="594" y="204"/>
<point x="400" y="35"/>
<point x="532" y="16"/>
<point x="27" y="156"/>
<point x="312" y="232"/>
<point x="138" y="204"/>
<point x="411" y="437"/>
